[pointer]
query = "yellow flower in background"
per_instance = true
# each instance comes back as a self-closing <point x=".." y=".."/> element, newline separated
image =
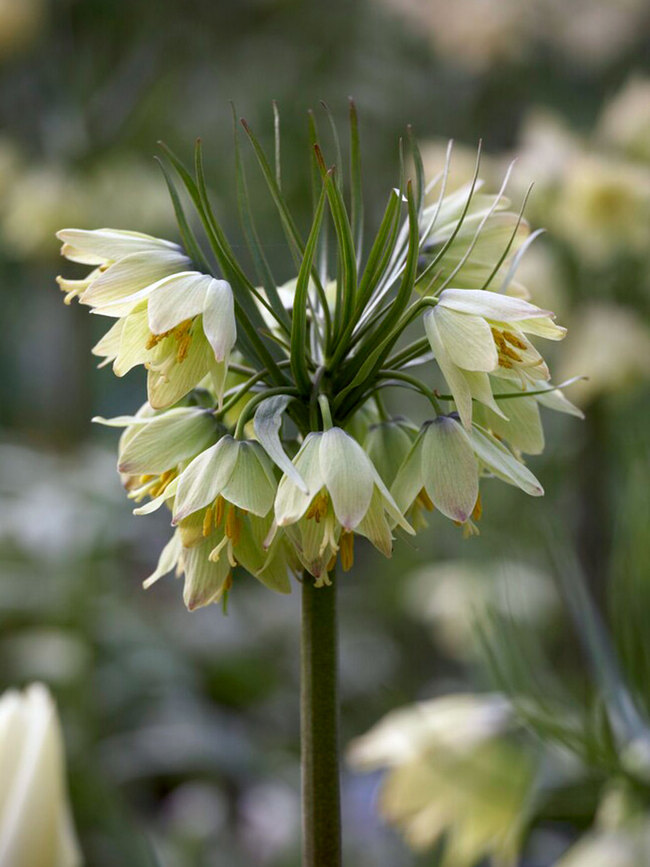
<point x="36" y="827"/>
<point x="610" y="344"/>
<point x="451" y="773"/>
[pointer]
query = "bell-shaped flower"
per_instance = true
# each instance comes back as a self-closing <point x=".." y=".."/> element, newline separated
<point x="36" y="827"/>
<point x="345" y="495"/>
<point x="523" y="428"/>
<point x="180" y="324"/>
<point x="473" y="332"/>
<point x="124" y="263"/>
<point x="155" y="447"/>
<point x="222" y="509"/>
<point x="443" y="467"/>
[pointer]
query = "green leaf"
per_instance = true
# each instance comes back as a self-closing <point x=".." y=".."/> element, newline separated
<point x="299" y="349"/>
<point x="252" y="239"/>
<point x="356" y="192"/>
<point x="267" y="424"/>
<point x="187" y="235"/>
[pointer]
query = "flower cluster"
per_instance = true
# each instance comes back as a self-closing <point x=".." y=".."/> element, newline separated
<point x="265" y="433"/>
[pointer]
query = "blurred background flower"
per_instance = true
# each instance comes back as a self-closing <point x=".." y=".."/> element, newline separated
<point x="182" y="730"/>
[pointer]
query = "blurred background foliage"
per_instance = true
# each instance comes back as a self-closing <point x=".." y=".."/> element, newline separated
<point x="182" y="730"/>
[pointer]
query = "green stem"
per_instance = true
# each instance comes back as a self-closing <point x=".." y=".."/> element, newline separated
<point x="321" y="803"/>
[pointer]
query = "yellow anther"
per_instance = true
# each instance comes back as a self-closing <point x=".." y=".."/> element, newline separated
<point x="227" y="584"/>
<point x="146" y="478"/>
<point x="233" y="524"/>
<point x="346" y="548"/>
<point x="477" y="511"/>
<point x="425" y="500"/>
<point x="219" y="504"/>
<point x="318" y="508"/>
<point x="514" y="340"/>
<point x="182" y="329"/>
<point x="183" y="347"/>
<point x="207" y="521"/>
<point x="503" y="362"/>
<point x="328" y="568"/>
<point x="510" y="353"/>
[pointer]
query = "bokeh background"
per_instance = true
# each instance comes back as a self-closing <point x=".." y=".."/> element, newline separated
<point x="182" y="730"/>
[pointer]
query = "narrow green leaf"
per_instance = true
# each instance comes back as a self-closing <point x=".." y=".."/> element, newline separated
<point x="419" y="171"/>
<point x="299" y="348"/>
<point x="262" y="267"/>
<point x="356" y="189"/>
<point x="188" y="238"/>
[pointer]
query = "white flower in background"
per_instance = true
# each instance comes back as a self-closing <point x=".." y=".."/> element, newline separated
<point x="35" y="823"/>
<point x="452" y="596"/>
<point x="611" y="345"/>
<point x="602" y="207"/>
<point x="180" y="324"/>
<point x="452" y="773"/>
<point x="473" y="333"/>
<point x="625" y="847"/>
<point x="625" y="121"/>
<point x="345" y="495"/>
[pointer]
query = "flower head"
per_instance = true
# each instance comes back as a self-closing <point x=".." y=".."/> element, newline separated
<point x="180" y="324"/>
<point x="473" y="333"/>
<point x="345" y="495"/>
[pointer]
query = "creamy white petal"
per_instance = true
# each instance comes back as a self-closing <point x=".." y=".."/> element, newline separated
<point x="205" y="478"/>
<point x="177" y="298"/>
<point x="467" y="338"/>
<point x="291" y="502"/>
<point x="219" y="322"/>
<point x="111" y="244"/>
<point x="348" y="476"/>
<point x="450" y="468"/>
<point x="167" y="440"/>
<point x="131" y="274"/>
<point x="503" y="463"/>
<point x="492" y="305"/>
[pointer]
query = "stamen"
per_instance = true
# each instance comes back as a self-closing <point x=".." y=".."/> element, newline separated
<point x="207" y="521"/>
<point x="347" y="550"/>
<point x="477" y="511"/>
<point x="514" y="340"/>
<point x="233" y="524"/>
<point x="424" y="500"/>
<point x="219" y="505"/>
<point x="318" y="508"/>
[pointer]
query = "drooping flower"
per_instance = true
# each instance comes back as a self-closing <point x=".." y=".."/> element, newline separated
<point x="36" y="827"/>
<point x="156" y="446"/>
<point x="222" y="505"/>
<point x="345" y="495"/>
<point x="473" y="333"/>
<point x="179" y="323"/>
<point x="451" y="771"/>
<point x="443" y="467"/>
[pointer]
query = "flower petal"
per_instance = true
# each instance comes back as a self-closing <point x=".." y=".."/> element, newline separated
<point x="166" y="440"/>
<point x="177" y="298"/>
<point x="131" y="274"/>
<point x="291" y="502"/>
<point x="251" y="485"/>
<point x="205" y="478"/>
<point x="503" y="463"/>
<point x="348" y="476"/>
<point x="219" y="322"/>
<point x="492" y="305"/>
<point x="467" y="338"/>
<point x="450" y="468"/>
<point x="107" y="245"/>
<point x="453" y="375"/>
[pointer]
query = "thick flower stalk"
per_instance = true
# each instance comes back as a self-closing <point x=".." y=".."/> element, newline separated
<point x="265" y="433"/>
